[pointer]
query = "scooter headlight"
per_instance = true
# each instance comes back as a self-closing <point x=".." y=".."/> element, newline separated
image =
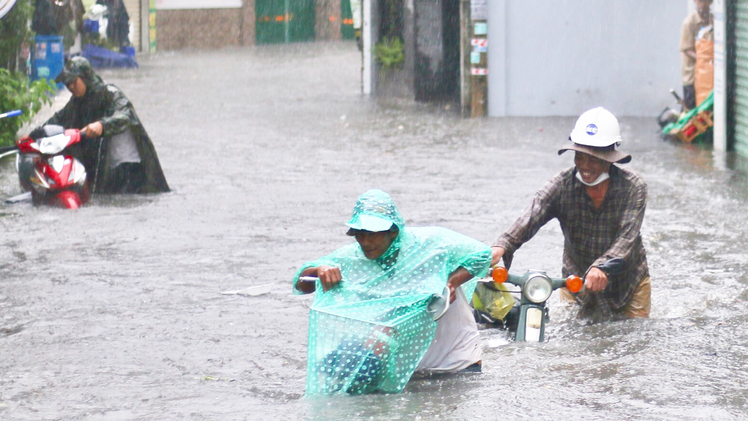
<point x="538" y="289"/>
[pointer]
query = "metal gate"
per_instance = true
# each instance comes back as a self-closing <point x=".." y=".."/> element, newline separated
<point x="346" y="20"/>
<point x="741" y="78"/>
<point x="284" y="21"/>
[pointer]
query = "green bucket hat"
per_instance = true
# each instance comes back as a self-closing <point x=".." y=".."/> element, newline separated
<point x="375" y="211"/>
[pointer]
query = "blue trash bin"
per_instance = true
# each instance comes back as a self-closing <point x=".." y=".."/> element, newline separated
<point x="48" y="58"/>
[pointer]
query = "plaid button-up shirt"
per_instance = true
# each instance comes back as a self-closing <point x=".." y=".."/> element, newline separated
<point x="591" y="236"/>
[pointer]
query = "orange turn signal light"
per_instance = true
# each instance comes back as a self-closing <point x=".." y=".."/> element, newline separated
<point x="499" y="274"/>
<point x="574" y="283"/>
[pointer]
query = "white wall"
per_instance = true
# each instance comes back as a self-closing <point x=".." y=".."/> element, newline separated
<point x="133" y="10"/>
<point x="562" y="57"/>
<point x="720" y="77"/>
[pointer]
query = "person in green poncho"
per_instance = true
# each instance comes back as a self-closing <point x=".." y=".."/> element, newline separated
<point x="383" y="282"/>
<point x="118" y="154"/>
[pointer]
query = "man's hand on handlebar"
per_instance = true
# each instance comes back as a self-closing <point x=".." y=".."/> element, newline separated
<point x="596" y="280"/>
<point x="496" y="254"/>
<point x="329" y="276"/>
<point x="94" y="129"/>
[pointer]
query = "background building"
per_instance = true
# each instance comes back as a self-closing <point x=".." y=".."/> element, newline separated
<point x="182" y="24"/>
<point x="545" y="57"/>
<point x="551" y="58"/>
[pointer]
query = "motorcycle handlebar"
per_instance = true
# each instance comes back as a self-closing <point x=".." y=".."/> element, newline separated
<point x="6" y="149"/>
<point x="436" y="307"/>
<point x="305" y="279"/>
<point x="500" y="274"/>
<point x="11" y="114"/>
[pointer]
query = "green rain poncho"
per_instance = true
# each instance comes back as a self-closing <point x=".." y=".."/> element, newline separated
<point x="370" y="332"/>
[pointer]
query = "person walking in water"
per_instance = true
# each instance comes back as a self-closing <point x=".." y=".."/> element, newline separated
<point x="600" y="207"/>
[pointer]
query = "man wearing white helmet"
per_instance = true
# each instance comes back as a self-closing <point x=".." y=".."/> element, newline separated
<point x="696" y="20"/>
<point x="600" y="207"/>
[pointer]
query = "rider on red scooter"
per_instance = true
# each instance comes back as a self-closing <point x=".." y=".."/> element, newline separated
<point x="118" y="155"/>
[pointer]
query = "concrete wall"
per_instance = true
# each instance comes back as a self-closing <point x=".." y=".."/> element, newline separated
<point x="429" y="48"/>
<point x="562" y="57"/>
<point x="327" y="15"/>
<point x="216" y="28"/>
<point x="390" y="83"/>
<point x="205" y="28"/>
<point x="249" y="18"/>
<point x="426" y="74"/>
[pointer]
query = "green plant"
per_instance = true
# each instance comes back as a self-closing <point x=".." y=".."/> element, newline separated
<point x="15" y="90"/>
<point x="390" y="53"/>
<point x="16" y="93"/>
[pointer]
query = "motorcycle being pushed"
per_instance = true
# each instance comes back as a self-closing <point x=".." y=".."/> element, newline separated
<point x="528" y="315"/>
<point x="50" y="175"/>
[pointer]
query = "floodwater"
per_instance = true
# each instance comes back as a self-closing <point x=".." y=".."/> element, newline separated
<point x="116" y="311"/>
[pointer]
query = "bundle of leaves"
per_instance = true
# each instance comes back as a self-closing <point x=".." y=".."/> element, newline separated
<point x="390" y="52"/>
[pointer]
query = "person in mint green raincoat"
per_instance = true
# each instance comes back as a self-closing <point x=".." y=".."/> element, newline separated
<point x="369" y="329"/>
<point x="118" y="154"/>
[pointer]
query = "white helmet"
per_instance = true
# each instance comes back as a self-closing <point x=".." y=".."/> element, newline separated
<point x="597" y="128"/>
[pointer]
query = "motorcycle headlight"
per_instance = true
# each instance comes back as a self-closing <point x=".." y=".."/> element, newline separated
<point x="538" y="289"/>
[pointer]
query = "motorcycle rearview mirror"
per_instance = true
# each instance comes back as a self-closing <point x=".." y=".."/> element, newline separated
<point x="439" y="304"/>
<point x="680" y="100"/>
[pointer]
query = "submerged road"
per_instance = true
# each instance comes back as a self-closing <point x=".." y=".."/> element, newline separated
<point x="117" y="312"/>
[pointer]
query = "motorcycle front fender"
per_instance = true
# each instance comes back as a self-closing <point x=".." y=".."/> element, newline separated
<point x="66" y="199"/>
<point x="531" y="326"/>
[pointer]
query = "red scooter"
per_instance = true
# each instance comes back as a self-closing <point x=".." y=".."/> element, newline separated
<point x="50" y="176"/>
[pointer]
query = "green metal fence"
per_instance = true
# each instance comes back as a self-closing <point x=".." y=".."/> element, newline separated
<point x="284" y="21"/>
<point x="741" y="79"/>
<point x="346" y="20"/>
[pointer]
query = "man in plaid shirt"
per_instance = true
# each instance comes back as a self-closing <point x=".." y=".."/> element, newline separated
<point x="600" y="207"/>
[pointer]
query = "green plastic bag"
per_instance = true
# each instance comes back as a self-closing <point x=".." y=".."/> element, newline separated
<point x="495" y="301"/>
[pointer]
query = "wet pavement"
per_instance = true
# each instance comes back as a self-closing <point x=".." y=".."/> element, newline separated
<point x="116" y="311"/>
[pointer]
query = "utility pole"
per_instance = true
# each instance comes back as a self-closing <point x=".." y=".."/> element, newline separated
<point x="465" y="34"/>
<point x="477" y="31"/>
